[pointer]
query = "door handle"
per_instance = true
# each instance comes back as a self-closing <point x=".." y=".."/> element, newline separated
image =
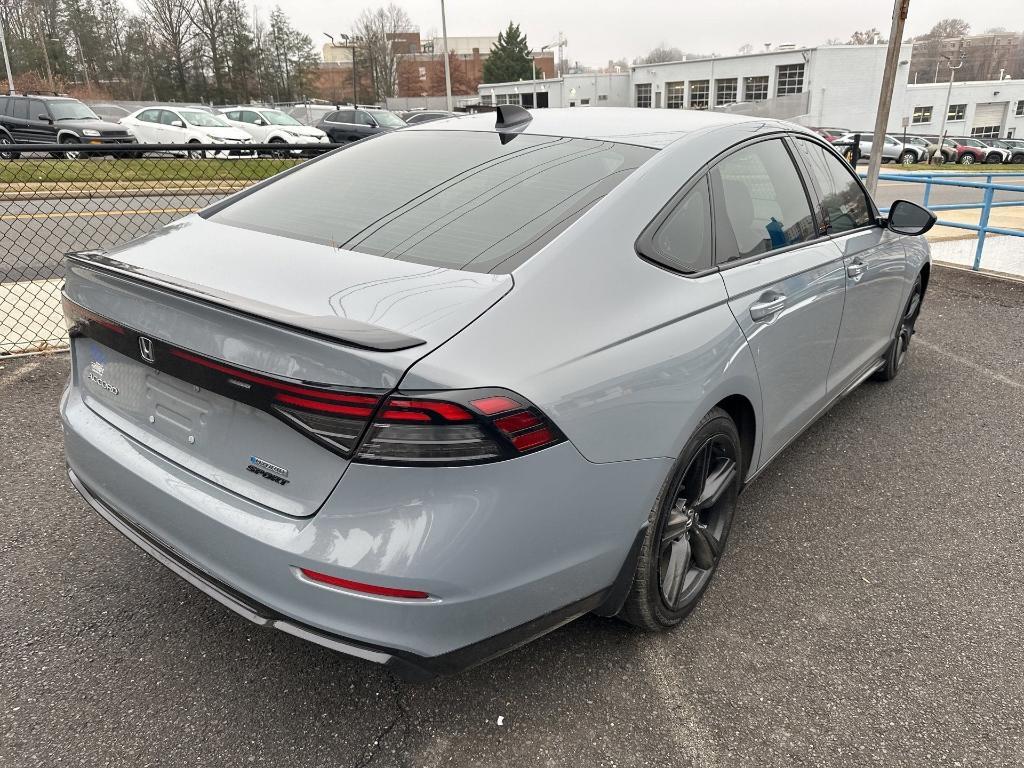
<point x="766" y="309"/>
<point x="856" y="268"/>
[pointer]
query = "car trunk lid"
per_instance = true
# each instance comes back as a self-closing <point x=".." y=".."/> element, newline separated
<point x="205" y="356"/>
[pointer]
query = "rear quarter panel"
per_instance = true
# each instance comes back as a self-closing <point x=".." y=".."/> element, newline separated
<point x="624" y="355"/>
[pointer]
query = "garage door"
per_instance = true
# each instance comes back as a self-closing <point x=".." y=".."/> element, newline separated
<point x="988" y="119"/>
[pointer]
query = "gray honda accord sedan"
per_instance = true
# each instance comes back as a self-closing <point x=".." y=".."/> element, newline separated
<point x="430" y="396"/>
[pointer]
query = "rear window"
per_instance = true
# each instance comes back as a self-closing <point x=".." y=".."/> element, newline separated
<point x="454" y="199"/>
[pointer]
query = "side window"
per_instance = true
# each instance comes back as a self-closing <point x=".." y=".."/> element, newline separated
<point x="760" y="203"/>
<point x="683" y="241"/>
<point x="35" y="109"/>
<point x="248" y="116"/>
<point x="20" y="110"/>
<point x="364" y="119"/>
<point x="343" y="116"/>
<point x="167" y="117"/>
<point x="235" y="115"/>
<point x="845" y="205"/>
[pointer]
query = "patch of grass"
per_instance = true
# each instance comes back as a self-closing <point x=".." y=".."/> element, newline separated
<point x="145" y="169"/>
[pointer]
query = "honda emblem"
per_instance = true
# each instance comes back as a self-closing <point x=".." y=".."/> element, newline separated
<point x="146" y="349"/>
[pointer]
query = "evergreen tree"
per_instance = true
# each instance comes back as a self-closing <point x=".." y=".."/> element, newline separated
<point x="509" y="58"/>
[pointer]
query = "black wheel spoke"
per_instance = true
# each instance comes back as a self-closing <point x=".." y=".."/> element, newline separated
<point x="675" y="526"/>
<point x="704" y="548"/>
<point x="675" y="571"/>
<point x="716" y="483"/>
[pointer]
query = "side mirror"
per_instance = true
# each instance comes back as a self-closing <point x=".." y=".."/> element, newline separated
<point x="178" y="123"/>
<point x="907" y="218"/>
<point x="260" y="121"/>
<point x="44" y="118"/>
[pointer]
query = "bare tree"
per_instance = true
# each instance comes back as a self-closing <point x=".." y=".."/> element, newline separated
<point x="210" y="20"/>
<point x="660" y="55"/>
<point x="380" y="31"/>
<point x="171" y="21"/>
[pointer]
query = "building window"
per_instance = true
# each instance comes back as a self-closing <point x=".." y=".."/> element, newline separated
<point x="1020" y="108"/>
<point x="988" y="132"/>
<point x="699" y="91"/>
<point x="602" y="97"/>
<point x="922" y="115"/>
<point x="725" y="92"/>
<point x="956" y="112"/>
<point x="507" y="98"/>
<point x="643" y="95"/>
<point x="584" y="102"/>
<point x="789" y="79"/>
<point x="675" y="95"/>
<point x="755" y="88"/>
<point x="485" y="99"/>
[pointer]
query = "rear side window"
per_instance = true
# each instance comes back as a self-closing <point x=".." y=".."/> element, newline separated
<point x="455" y="199"/>
<point x="20" y="109"/>
<point x="683" y="241"/>
<point x="5" y="106"/>
<point x="844" y="203"/>
<point x="760" y="203"/>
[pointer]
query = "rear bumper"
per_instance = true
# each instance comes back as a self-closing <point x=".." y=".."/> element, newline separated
<point x="505" y="557"/>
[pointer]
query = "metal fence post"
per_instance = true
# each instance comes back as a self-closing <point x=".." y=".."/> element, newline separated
<point x="927" y="191"/>
<point x="983" y="225"/>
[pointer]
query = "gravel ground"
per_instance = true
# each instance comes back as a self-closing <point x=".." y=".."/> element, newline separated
<point x="870" y="611"/>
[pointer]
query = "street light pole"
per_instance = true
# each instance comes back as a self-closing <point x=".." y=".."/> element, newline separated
<point x="447" y="72"/>
<point x="899" y="19"/>
<point x="7" y="61"/>
<point x="949" y="97"/>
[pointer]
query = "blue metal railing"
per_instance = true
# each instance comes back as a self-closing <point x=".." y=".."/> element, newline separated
<point x="957" y="179"/>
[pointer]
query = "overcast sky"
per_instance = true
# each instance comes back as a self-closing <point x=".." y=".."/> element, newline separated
<point x="599" y="31"/>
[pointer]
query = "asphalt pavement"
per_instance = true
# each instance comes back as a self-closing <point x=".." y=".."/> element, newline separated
<point x="869" y="611"/>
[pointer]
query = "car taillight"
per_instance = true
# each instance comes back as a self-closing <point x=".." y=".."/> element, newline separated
<point x="461" y="427"/>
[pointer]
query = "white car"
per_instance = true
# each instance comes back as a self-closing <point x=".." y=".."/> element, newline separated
<point x="185" y="125"/>
<point x="272" y="126"/>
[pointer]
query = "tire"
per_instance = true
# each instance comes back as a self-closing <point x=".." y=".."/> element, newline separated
<point x="899" y="347"/>
<point x="908" y="158"/>
<point x="967" y="160"/>
<point x="1017" y="158"/>
<point x="684" y="541"/>
<point x="196" y="154"/>
<point x="71" y="155"/>
<point x="278" y="152"/>
<point x="7" y="140"/>
<point x="993" y="159"/>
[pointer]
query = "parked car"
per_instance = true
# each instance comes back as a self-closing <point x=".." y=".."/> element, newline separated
<point x="187" y="125"/>
<point x="311" y="114"/>
<point x="930" y="146"/>
<point x="371" y="450"/>
<point x="970" y="151"/>
<point x="271" y="126"/>
<point x="414" y="116"/>
<point x="354" y="123"/>
<point x="830" y="134"/>
<point x="893" y="150"/>
<point x="1016" y="147"/>
<point x="35" y="119"/>
<point x="996" y="145"/>
<point x="112" y="113"/>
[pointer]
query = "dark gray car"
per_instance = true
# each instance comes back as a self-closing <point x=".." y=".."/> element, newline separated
<point x="350" y="124"/>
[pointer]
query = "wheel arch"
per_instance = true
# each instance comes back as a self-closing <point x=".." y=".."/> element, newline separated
<point x="68" y="132"/>
<point x="743" y="415"/>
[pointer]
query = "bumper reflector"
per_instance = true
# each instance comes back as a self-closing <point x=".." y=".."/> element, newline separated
<point x="356" y="586"/>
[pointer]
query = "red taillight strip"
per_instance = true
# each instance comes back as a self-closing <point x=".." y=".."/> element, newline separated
<point x="237" y="373"/>
<point x="358" y="586"/>
<point x="315" y="405"/>
<point x="447" y="411"/>
<point x="71" y="309"/>
<point x="495" y="404"/>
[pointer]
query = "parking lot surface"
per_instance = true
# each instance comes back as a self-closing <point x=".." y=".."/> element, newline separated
<point x="869" y="611"/>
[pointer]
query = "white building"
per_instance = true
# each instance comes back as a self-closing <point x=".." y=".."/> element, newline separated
<point x="829" y="86"/>
<point x="586" y="90"/>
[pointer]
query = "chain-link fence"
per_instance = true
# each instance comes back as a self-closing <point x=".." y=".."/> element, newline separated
<point x="60" y="198"/>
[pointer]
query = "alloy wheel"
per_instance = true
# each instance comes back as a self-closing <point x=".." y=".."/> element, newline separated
<point x="5" y="155"/>
<point x="693" y="532"/>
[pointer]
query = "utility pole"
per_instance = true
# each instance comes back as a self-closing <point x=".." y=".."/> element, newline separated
<point x="447" y="70"/>
<point x="7" y="60"/>
<point x="949" y="95"/>
<point x="899" y="19"/>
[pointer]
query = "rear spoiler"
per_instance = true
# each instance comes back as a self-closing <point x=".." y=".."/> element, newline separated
<point x="330" y="327"/>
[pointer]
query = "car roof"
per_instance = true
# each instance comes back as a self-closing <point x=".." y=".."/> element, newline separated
<point x="654" y="128"/>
